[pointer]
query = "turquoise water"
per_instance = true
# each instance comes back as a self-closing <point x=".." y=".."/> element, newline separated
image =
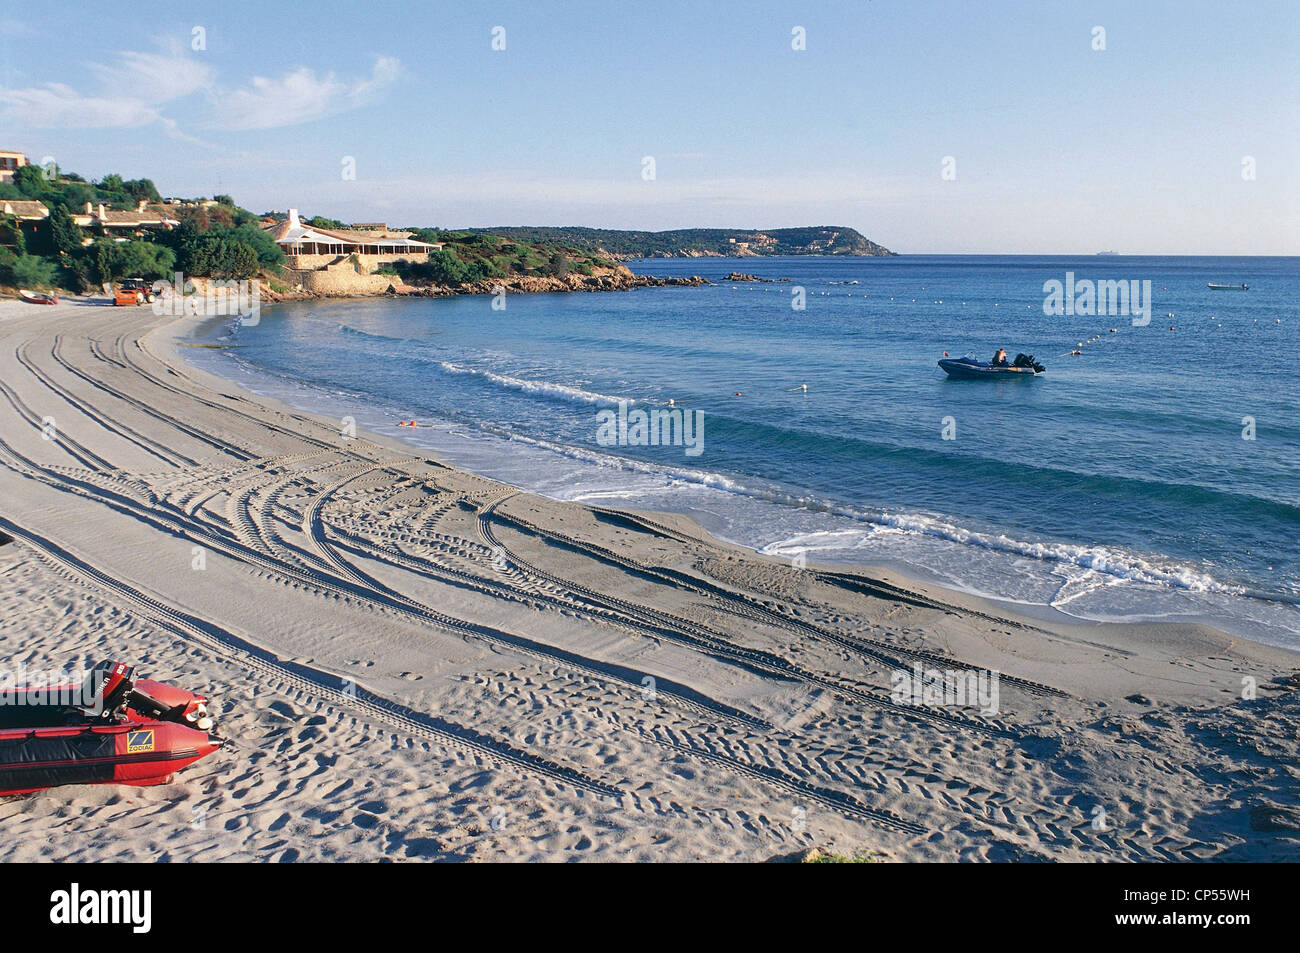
<point x="1117" y="485"/>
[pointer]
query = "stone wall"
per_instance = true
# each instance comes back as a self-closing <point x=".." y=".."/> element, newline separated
<point x="368" y="264"/>
<point x="341" y="279"/>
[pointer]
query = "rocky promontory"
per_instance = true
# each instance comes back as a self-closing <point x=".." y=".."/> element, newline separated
<point x="618" y="278"/>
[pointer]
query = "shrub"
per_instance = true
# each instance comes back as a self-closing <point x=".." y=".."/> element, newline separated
<point x="557" y="266"/>
<point x="217" y="257"/>
<point x="135" y="259"/>
<point x="31" y="271"/>
<point x="238" y="252"/>
<point x="445" y="268"/>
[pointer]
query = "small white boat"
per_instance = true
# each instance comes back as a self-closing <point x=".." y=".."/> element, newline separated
<point x="37" y="297"/>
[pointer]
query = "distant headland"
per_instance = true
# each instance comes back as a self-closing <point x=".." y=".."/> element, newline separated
<point x="700" y="242"/>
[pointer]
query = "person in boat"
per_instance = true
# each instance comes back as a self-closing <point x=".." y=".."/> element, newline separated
<point x="1000" y="358"/>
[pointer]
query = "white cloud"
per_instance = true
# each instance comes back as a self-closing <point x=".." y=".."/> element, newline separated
<point x="156" y="77"/>
<point x="300" y="96"/>
<point x="57" y="106"/>
<point x="132" y="90"/>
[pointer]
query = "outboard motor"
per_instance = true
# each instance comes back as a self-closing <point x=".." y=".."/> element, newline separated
<point x="106" y="690"/>
<point x="1027" y="360"/>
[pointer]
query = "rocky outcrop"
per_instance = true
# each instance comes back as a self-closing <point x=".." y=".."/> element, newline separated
<point x="618" y="278"/>
<point x="608" y="279"/>
<point x="743" y="276"/>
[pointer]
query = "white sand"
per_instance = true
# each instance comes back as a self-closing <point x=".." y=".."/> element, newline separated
<point x="503" y="648"/>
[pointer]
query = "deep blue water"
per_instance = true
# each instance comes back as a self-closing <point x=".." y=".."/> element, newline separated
<point x="1117" y="485"/>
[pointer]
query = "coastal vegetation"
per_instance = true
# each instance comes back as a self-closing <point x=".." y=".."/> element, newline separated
<point x="75" y="248"/>
<point x="215" y="238"/>
<point x="468" y="257"/>
<point x="701" y="242"/>
<point x="51" y="185"/>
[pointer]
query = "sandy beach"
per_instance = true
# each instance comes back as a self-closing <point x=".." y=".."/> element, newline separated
<point x="415" y="663"/>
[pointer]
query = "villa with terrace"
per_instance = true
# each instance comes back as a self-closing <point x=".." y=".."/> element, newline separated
<point x="307" y="248"/>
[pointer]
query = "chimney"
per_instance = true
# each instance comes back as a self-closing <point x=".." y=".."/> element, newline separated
<point x="293" y="219"/>
<point x="89" y="208"/>
<point x="102" y="214"/>
<point x="142" y="205"/>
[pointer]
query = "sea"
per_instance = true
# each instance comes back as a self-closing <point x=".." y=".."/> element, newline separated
<point x="1153" y="476"/>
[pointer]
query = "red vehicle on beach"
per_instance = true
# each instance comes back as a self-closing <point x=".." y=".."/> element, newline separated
<point x="133" y="291"/>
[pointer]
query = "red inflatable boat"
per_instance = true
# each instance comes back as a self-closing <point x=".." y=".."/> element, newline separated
<point x="110" y="729"/>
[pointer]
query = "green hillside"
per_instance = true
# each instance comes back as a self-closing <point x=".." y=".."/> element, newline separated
<point x="698" y="242"/>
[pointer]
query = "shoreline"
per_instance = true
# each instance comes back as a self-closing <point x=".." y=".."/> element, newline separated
<point x="177" y="335"/>
<point x="559" y="681"/>
<point x="199" y="330"/>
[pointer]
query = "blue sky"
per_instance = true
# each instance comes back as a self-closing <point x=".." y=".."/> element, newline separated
<point x="1057" y="147"/>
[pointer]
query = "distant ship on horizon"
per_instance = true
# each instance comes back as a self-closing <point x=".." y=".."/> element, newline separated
<point x="1102" y="253"/>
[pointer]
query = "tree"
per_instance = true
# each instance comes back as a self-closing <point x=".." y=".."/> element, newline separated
<point x="139" y="259"/>
<point x="558" y="265"/>
<point x="78" y="271"/>
<point x="104" y="259"/>
<point x="111" y="182"/>
<point x="219" y="256"/>
<point x="141" y="190"/>
<point x="238" y="252"/>
<point x="430" y="235"/>
<point x="64" y="233"/>
<point x="224" y="200"/>
<point x="205" y="218"/>
<point x="320" y="221"/>
<point x="30" y="181"/>
<point x="238" y="260"/>
<point x="75" y="195"/>
<point x="269" y="254"/>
